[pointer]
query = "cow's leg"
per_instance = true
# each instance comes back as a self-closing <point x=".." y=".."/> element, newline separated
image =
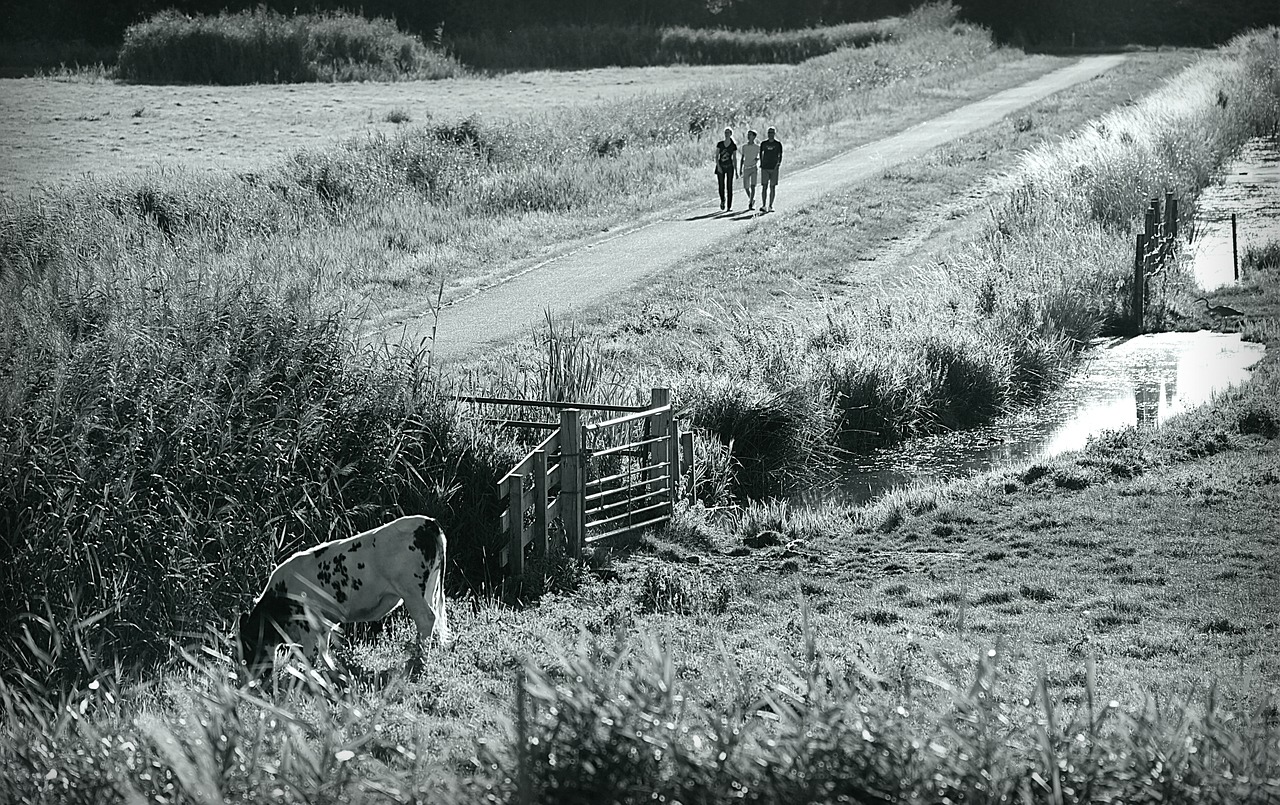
<point x="422" y="614"/>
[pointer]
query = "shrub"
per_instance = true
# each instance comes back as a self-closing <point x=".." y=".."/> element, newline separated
<point x="263" y="47"/>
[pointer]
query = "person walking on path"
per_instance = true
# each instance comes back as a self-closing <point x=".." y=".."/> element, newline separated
<point x="726" y="167"/>
<point x="770" y="163"/>
<point x="750" y="161"/>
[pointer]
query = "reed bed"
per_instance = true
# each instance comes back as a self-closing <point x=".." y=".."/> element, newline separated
<point x="265" y="47"/>
<point x="580" y="47"/>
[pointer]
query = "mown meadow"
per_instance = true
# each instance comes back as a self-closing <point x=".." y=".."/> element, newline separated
<point x="185" y="403"/>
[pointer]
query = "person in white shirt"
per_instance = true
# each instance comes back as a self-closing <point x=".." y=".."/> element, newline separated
<point x="750" y="151"/>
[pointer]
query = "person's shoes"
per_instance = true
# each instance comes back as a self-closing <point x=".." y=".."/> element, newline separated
<point x="751" y="206"/>
<point x="729" y="208"/>
<point x="722" y="205"/>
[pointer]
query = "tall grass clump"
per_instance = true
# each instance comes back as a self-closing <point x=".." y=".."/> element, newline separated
<point x="166" y="437"/>
<point x="265" y="47"/>
<point x="627" y="729"/>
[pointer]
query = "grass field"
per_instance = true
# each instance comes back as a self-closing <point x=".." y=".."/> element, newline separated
<point x="178" y="416"/>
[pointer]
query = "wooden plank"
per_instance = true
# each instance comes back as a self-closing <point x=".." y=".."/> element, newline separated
<point x="571" y="478"/>
<point x="515" y="527"/>
<point x="561" y="406"/>
<point x="550" y="444"/>
<point x="673" y="459"/>
<point x="517" y="423"/>
<point x="540" y="504"/>
<point x="687" y="468"/>
<point x="622" y="420"/>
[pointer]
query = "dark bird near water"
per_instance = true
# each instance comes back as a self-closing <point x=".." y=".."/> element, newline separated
<point x="1221" y="311"/>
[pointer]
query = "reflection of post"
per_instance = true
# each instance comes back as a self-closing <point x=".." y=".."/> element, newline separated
<point x="1146" y="396"/>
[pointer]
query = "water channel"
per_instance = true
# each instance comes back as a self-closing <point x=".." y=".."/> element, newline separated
<point x="1138" y="381"/>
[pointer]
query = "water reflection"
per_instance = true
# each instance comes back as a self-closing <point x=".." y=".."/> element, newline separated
<point x="1251" y="189"/>
<point x="1137" y="381"/>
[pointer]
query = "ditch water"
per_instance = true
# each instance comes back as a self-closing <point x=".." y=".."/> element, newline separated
<point x="1122" y="382"/>
<point x="1250" y="189"/>
<point x="1133" y="381"/>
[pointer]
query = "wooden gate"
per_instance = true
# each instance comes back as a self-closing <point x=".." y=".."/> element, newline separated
<point x="594" y="481"/>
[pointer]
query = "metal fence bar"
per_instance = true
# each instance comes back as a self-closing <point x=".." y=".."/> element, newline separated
<point x="629" y="529"/>
<point x="627" y="515"/>
<point x="625" y="474"/>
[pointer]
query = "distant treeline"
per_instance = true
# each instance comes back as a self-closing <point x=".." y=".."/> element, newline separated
<point x="104" y="22"/>
<point x="1083" y="23"/>
<point x="1102" y="23"/>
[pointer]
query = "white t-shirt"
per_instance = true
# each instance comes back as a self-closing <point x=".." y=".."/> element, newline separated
<point x="750" y="156"/>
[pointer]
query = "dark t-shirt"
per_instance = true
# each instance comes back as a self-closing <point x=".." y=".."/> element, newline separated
<point x="726" y="153"/>
<point x="770" y="154"/>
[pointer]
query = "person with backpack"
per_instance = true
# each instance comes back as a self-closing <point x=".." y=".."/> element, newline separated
<point x="726" y="168"/>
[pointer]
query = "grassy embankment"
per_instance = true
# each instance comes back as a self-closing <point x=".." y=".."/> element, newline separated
<point x="184" y="401"/>
<point x="794" y="723"/>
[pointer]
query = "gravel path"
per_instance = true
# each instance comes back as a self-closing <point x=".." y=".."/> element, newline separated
<point x="602" y="267"/>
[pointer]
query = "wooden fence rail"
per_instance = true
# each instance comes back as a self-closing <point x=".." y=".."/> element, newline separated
<point x="592" y="481"/>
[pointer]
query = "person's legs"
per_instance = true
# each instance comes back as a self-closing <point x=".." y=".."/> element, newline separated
<point x="749" y="183"/>
<point x="728" y="179"/>
<point x="720" y="184"/>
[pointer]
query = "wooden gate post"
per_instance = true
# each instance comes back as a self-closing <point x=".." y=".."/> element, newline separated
<point x="540" y="504"/>
<point x="688" y="469"/>
<point x="572" y="508"/>
<point x="660" y="429"/>
<point x="515" y="532"/>
<point x="1139" y="295"/>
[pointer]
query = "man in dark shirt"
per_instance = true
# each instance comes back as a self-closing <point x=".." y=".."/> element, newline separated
<point x="770" y="162"/>
<point x="726" y="167"/>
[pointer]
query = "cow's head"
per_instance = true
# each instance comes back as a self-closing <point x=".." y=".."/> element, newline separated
<point x="262" y="628"/>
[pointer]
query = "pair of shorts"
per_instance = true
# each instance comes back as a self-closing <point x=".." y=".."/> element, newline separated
<point x="749" y="176"/>
<point x="769" y="175"/>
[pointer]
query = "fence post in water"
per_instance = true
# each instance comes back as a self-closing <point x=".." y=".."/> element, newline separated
<point x="1173" y="217"/>
<point x="1235" y="255"/>
<point x="1136" y="301"/>
<point x="515" y="533"/>
<point x="540" y="504"/>
<point x="571" y="478"/>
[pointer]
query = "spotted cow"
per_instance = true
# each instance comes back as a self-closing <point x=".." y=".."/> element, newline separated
<point x="360" y="578"/>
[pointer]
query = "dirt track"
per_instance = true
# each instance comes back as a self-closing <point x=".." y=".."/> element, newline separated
<point x="592" y="272"/>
